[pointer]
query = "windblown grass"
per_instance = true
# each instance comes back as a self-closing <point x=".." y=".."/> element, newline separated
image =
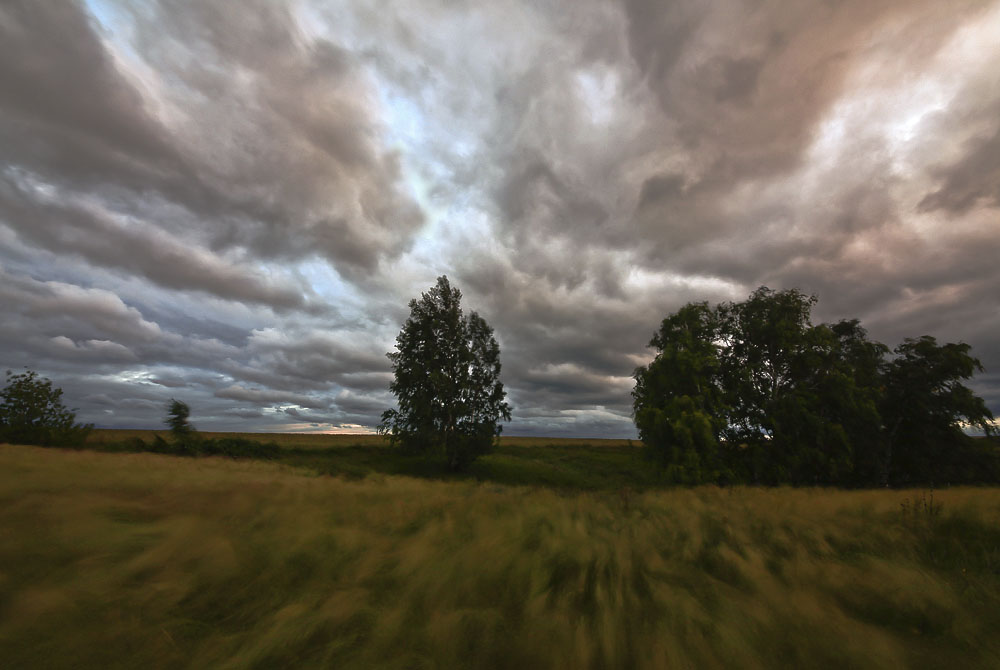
<point x="140" y="560"/>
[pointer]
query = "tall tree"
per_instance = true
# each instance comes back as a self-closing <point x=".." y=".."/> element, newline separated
<point x="677" y="401"/>
<point x="763" y="341"/>
<point x="767" y="343"/>
<point x="446" y="379"/>
<point x="925" y="408"/>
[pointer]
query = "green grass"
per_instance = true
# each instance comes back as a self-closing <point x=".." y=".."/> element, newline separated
<point x="140" y="560"/>
<point x="582" y="464"/>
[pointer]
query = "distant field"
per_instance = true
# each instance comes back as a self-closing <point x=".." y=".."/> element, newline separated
<point x="323" y="441"/>
<point x="298" y="440"/>
<point x="139" y="560"/>
<point x="553" y="462"/>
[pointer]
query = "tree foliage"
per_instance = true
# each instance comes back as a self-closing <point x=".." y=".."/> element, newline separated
<point x="926" y="406"/>
<point x="754" y="391"/>
<point x="447" y="385"/>
<point x="679" y="404"/>
<point x="177" y="419"/>
<point x="32" y="412"/>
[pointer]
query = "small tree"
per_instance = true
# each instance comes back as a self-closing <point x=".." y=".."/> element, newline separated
<point x="446" y="381"/>
<point x="185" y="437"/>
<point x="177" y="418"/>
<point x="31" y="412"/>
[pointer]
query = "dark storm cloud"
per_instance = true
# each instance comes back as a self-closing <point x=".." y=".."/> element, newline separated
<point x="283" y="158"/>
<point x="971" y="181"/>
<point x="58" y="83"/>
<point x="727" y="185"/>
<point x="747" y="84"/>
<point x="296" y="358"/>
<point x="222" y="205"/>
<point x="124" y="245"/>
<point x="53" y="308"/>
<point x="267" y="397"/>
<point x="299" y="133"/>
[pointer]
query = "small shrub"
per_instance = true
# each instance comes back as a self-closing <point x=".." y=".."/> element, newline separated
<point x="191" y="444"/>
<point x="31" y="412"/>
<point x="239" y="447"/>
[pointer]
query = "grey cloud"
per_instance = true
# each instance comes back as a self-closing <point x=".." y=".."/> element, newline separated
<point x="748" y="84"/>
<point x="325" y="186"/>
<point x="96" y="314"/>
<point x="356" y="403"/>
<point x="295" y="359"/>
<point x="135" y="248"/>
<point x="90" y="350"/>
<point x="585" y="170"/>
<point x="170" y="381"/>
<point x="269" y="397"/>
<point x="973" y="180"/>
<point x="534" y="193"/>
<point x="334" y="420"/>
<point x="243" y="413"/>
<point x="289" y="166"/>
<point x="739" y="79"/>
<point x="51" y="56"/>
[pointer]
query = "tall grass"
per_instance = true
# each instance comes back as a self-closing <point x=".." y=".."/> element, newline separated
<point x="141" y="560"/>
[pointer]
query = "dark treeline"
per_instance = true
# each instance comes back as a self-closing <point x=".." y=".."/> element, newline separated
<point x="752" y="392"/>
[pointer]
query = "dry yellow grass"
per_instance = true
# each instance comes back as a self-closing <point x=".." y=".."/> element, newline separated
<point x="139" y="560"/>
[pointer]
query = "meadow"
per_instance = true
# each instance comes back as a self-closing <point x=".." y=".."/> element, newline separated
<point x="566" y="463"/>
<point x="121" y="560"/>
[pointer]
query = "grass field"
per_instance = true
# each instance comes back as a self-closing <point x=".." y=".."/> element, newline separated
<point x="140" y="560"/>
<point x="576" y="464"/>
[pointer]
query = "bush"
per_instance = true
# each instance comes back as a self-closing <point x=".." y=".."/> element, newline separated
<point x="31" y="412"/>
<point x="193" y="445"/>
<point x="239" y="447"/>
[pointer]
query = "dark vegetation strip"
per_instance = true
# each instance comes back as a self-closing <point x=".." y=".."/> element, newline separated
<point x="571" y="464"/>
<point x="557" y="463"/>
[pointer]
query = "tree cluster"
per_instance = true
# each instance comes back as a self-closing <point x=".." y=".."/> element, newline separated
<point x="754" y="392"/>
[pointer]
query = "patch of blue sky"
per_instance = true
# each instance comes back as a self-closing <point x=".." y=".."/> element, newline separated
<point x="330" y="288"/>
<point x="105" y="12"/>
<point x="116" y="24"/>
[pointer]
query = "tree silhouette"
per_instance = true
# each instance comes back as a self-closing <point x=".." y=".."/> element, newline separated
<point x="32" y="412"/>
<point x="446" y="371"/>
<point x="753" y="391"/>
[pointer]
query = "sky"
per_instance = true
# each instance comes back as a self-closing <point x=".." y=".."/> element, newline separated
<point x="231" y="204"/>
